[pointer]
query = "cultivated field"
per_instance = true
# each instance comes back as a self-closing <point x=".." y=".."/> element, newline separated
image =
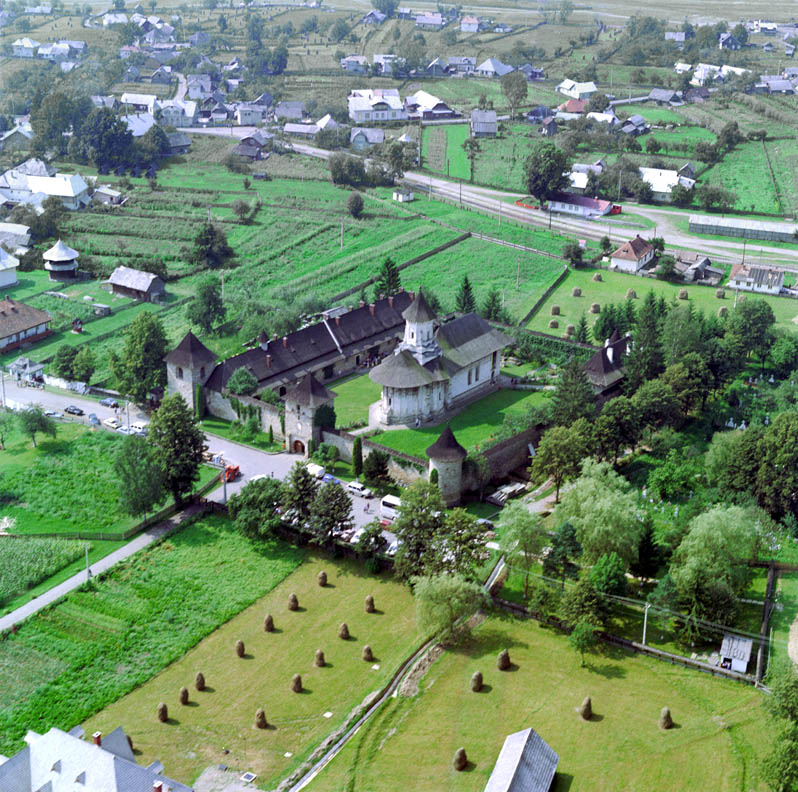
<point x="71" y="660"/>
<point x="223" y="715"/>
<point x="411" y="742"/>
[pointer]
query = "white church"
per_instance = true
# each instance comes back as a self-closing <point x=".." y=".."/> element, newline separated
<point x="436" y="370"/>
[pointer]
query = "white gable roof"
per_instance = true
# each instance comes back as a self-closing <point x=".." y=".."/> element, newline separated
<point x="64" y="185"/>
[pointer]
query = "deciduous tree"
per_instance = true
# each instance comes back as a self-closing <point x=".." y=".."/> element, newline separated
<point x="210" y="247"/>
<point x="255" y="509"/>
<point x="418" y="526"/>
<point x="207" y="309"/>
<point x="515" y="89"/>
<point x="522" y="539"/>
<point x="546" y="171"/>
<point x="463" y="544"/>
<point x="444" y="600"/>
<point x="560" y="453"/>
<point x="141" y="481"/>
<point x="33" y="421"/>
<point x="140" y="367"/>
<point x="330" y="513"/>
<point x="300" y="493"/>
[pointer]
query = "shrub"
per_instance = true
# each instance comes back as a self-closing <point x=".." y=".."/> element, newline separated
<point x="595" y="308"/>
<point x="318" y="661"/>
<point x="322" y="578"/>
<point x="476" y="681"/>
<point x="503" y="661"/>
<point x="683" y="295"/>
<point x="585" y="709"/>
<point x="720" y="293"/>
<point x="184" y="695"/>
<point x="597" y="277"/>
<point x="268" y="623"/>
<point x="553" y="324"/>
<point x="354" y="204"/>
<point x="369" y="604"/>
<point x="260" y="719"/>
<point x="555" y="310"/>
<point x="367" y="654"/>
<point x="163" y="712"/>
<point x="631" y="294"/>
<point x="296" y="683"/>
<point x="293" y="602"/>
<point x="722" y="311"/>
<point x="240" y="648"/>
<point x="343" y="631"/>
<point x="199" y="681"/>
<point x="576" y="292"/>
<point x="460" y="761"/>
<point x="665" y="719"/>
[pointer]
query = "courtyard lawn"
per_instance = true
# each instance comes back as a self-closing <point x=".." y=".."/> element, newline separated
<point x="223" y="715"/>
<point x="472" y="427"/>
<point x="69" y="661"/>
<point x="784" y="614"/>
<point x="613" y="288"/>
<point x="354" y="395"/>
<point x="720" y="736"/>
<point x="230" y="430"/>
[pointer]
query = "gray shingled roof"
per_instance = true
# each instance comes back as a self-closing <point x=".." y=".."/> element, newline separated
<point x="16" y="317"/>
<point x="129" y="278"/>
<point x="468" y="339"/>
<point x="402" y="370"/>
<point x="191" y="353"/>
<point x="310" y="392"/>
<point x="526" y="764"/>
<point x="446" y="447"/>
<point x="419" y="310"/>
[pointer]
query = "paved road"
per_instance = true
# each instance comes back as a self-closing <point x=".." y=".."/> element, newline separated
<point x="496" y="202"/>
<point x="182" y="87"/>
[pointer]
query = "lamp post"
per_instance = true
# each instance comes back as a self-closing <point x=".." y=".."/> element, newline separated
<point x="645" y="622"/>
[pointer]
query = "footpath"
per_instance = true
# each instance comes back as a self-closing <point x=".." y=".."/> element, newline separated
<point x="133" y="546"/>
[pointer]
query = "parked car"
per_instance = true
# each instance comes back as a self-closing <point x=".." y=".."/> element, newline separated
<point x="112" y="423"/>
<point x="328" y="478"/>
<point x="125" y="430"/>
<point x="317" y="471"/>
<point x="72" y="410"/>
<point x="358" y="489"/>
<point x="109" y="402"/>
<point x="94" y="420"/>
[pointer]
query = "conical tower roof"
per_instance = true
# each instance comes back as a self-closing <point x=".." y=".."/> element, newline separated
<point x="309" y="391"/>
<point x="446" y="447"/>
<point x="60" y="252"/>
<point x="191" y="353"/>
<point x="419" y="310"/>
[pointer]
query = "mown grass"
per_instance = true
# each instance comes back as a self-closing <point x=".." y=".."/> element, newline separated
<point x="354" y="394"/>
<point x="472" y="427"/>
<point x="71" y="660"/>
<point x="231" y="431"/>
<point x="784" y="614"/>
<point x="614" y="286"/>
<point x="223" y="716"/>
<point x="410" y="743"/>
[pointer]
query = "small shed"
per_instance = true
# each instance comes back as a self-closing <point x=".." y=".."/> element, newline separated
<point x="107" y="195"/>
<point x="8" y="269"/>
<point x="403" y="195"/>
<point x="139" y="285"/>
<point x="526" y="763"/>
<point x="735" y="652"/>
<point x="484" y="123"/>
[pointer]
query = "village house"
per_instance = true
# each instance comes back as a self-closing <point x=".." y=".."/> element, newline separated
<point x="662" y="182"/>
<point x="137" y="284"/>
<point x="355" y="64"/>
<point x="493" y="67"/>
<point x="635" y="125"/>
<point x="697" y="268"/>
<point x="199" y="86"/>
<point x="756" y="278"/>
<point x="469" y="24"/>
<point x="728" y="42"/>
<point x="430" y="21"/>
<point x="69" y="187"/>
<point x="300" y="130"/>
<point x="289" y="111"/>
<point x="632" y="256"/>
<point x="140" y="103"/>
<point x="60" y="761"/>
<point x="436" y="68"/>
<point x="162" y="76"/>
<point x="532" y="72"/>
<point x="255" y="146"/>
<point x="423" y="105"/>
<point x="483" y="123"/>
<point x="436" y="370"/>
<point x="15" y="237"/>
<point x="108" y="196"/>
<point x="8" y="269"/>
<point x="178" y="112"/>
<point x="380" y="104"/>
<point x="386" y="64"/>
<point x="55" y="53"/>
<point x="577" y="90"/>
<point x="20" y="325"/>
<point x="374" y="17"/>
<point x="462" y="64"/>
<point x="18" y="138"/>
<point x="139" y="124"/>
<point x="248" y="115"/>
<point x="526" y="763"/>
<point x="25" y="48"/>
<point x="572" y="107"/>
<point x="579" y="205"/>
<point x="362" y="138"/>
<point x="548" y="127"/>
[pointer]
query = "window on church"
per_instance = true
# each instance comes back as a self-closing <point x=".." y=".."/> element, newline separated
<point x="412" y="335"/>
<point x="476" y="373"/>
<point x="202" y="372"/>
<point x="469" y="376"/>
<point x="179" y="373"/>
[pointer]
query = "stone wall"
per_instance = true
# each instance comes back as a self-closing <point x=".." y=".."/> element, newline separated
<point x="219" y="406"/>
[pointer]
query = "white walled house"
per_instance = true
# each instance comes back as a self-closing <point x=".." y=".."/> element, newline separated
<point x="381" y="104"/>
<point x="633" y="255"/>
<point x="577" y="90"/>
<point x="21" y="324"/>
<point x="25" y="48"/>
<point x="69" y="187"/>
<point x="434" y="370"/>
<point x="579" y="205"/>
<point x="763" y="280"/>
<point x="8" y="269"/>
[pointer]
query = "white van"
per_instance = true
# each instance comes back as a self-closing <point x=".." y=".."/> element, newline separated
<point x="356" y="488"/>
<point x="389" y="507"/>
<point x="139" y="428"/>
<point x="317" y="471"/>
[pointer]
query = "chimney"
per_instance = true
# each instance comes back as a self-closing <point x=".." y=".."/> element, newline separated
<point x="338" y="321"/>
<point x="362" y="303"/>
<point x="274" y="336"/>
<point x="610" y="353"/>
<point x="371" y="308"/>
<point x="285" y="342"/>
<point x="382" y="296"/>
<point x="157" y="786"/>
<point x="390" y="301"/>
<point x="98" y="738"/>
<point x="268" y="361"/>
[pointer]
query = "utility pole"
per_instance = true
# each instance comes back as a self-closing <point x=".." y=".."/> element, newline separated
<point x="645" y="622"/>
<point x="342" y="234"/>
<point x="500" y="212"/>
<point x="88" y="571"/>
<point x="222" y="274"/>
<point x="518" y="271"/>
<point x="3" y="381"/>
